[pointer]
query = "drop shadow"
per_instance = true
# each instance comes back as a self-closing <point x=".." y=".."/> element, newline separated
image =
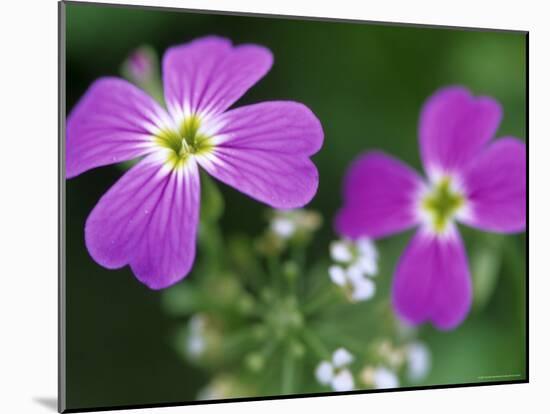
<point x="47" y="402"/>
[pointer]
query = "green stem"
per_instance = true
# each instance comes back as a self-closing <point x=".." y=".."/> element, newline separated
<point x="323" y="299"/>
<point x="266" y="379"/>
<point x="212" y="243"/>
<point x="238" y="342"/>
<point x="255" y="275"/>
<point x="287" y="385"/>
<point x="274" y="272"/>
<point x="315" y="344"/>
<point x="298" y="254"/>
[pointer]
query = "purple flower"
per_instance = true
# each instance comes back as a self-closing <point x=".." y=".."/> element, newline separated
<point x="149" y="218"/>
<point x="470" y="180"/>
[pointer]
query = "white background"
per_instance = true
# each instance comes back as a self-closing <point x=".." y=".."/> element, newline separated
<point x="28" y="211"/>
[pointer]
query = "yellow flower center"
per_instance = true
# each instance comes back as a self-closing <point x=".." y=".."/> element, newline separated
<point x="184" y="142"/>
<point x="442" y="204"/>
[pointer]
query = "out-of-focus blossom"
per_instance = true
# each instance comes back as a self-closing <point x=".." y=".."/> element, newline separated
<point x="379" y="377"/>
<point x="140" y="65"/>
<point x="394" y="356"/>
<point x="196" y="340"/>
<point x="290" y="223"/>
<point x="283" y="227"/>
<point x="357" y="287"/>
<point x="288" y="227"/>
<point x="471" y="180"/>
<point x="355" y="261"/>
<point x="224" y="386"/>
<point x="335" y="373"/>
<point x="418" y="361"/>
<point x="359" y="256"/>
<point x="385" y="378"/>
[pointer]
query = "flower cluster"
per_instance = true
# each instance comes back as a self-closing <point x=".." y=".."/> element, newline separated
<point x="335" y="372"/>
<point x="287" y="224"/>
<point x="412" y="358"/>
<point x="379" y="377"/>
<point x="380" y="370"/>
<point x="288" y="228"/>
<point x="356" y="262"/>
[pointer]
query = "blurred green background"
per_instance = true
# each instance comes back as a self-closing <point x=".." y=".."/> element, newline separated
<point x="366" y="83"/>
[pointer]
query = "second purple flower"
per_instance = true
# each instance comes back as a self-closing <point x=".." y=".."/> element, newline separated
<point x="470" y="180"/>
<point x="149" y="218"/>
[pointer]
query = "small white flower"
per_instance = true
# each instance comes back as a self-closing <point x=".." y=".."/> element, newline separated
<point x="363" y="290"/>
<point x="341" y="251"/>
<point x="385" y="378"/>
<point x="287" y="224"/>
<point x="196" y="343"/>
<point x="418" y="361"/>
<point x="355" y="272"/>
<point x="324" y="372"/>
<point x="196" y="323"/>
<point x="360" y="256"/>
<point x="284" y="227"/>
<point x="368" y="265"/>
<point x="367" y="248"/>
<point x="367" y="256"/>
<point x="358" y="286"/>
<point x="341" y="357"/>
<point x="337" y="275"/>
<point x="343" y="381"/>
<point x="335" y="373"/>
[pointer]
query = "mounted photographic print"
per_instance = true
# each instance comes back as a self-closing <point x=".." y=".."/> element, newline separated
<point x="259" y="206"/>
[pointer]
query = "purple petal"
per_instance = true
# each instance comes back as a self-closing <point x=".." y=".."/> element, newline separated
<point x="113" y="122"/>
<point x="208" y="75"/>
<point x="148" y="220"/>
<point x="432" y="281"/>
<point x="454" y="126"/>
<point x="496" y="185"/>
<point x="380" y="197"/>
<point x="263" y="151"/>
